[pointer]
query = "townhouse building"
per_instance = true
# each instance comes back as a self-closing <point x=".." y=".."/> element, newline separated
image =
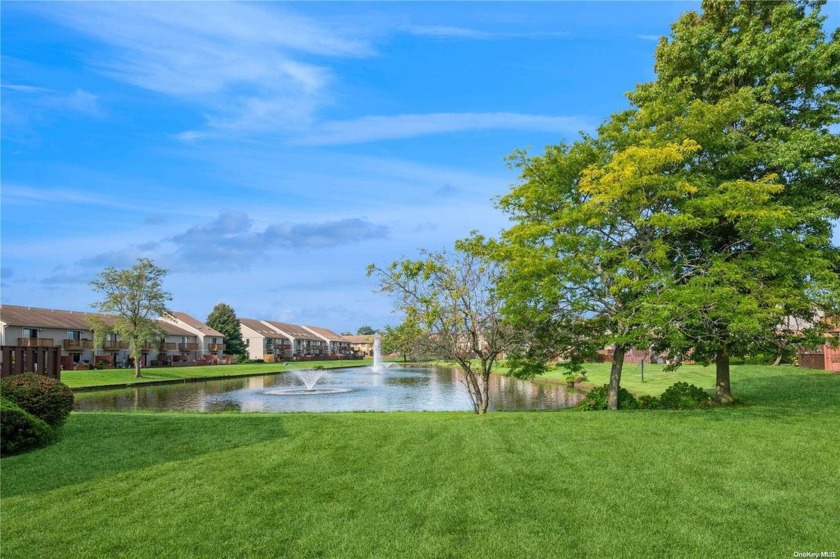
<point x="337" y="345"/>
<point x="305" y="344"/>
<point x="280" y="341"/>
<point x="264" y="342"/>
<point x="201" y="342"/>
<point x="360" y="345"/>
<point x="37" y="338"/>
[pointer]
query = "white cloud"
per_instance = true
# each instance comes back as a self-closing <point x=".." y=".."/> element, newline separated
<point x="24" y="88"/>
<point x="16" y="194"/>
<point x="452" y="32"/>
<point x="376" y="128"/>
<point x="240" y="62"/>
<point x="649" y="37"/>
<point x="448" y="32"/>
<point x="259" y="69"/>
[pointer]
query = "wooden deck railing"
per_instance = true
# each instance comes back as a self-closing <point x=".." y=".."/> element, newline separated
<point x="76" y="344"/>
<point x="36" y="342"/>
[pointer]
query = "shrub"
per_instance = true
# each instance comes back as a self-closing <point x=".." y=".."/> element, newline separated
<point x="648" y="402"/>
<point x="43" y="397"/>
<point x="20" y="430"/>
<point x="684" y="396"/>
<point x="575" y="378"/>
<point x="596" y="399"/>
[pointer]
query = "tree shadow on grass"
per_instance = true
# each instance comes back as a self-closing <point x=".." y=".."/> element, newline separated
<point x="97" y="445"/>
<point x="793" y="391"/>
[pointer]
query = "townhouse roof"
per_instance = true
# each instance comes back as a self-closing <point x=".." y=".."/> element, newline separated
<point x="173" y="329"/>
<point x="260" y="328"/>
<point x="364" y="339"/>
<point x="295" y="331"/>
<point x="14" y="315"/>
<point x="197" y="324"/>
<point x="36" y="317"/>
<point x="327" y="333"/>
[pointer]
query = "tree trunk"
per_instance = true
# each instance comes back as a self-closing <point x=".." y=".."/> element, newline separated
<point x="615" y="378"/>
<point x="723" y="392"/>
<point x="485" y="394"/>
<point x="137" y="368"/>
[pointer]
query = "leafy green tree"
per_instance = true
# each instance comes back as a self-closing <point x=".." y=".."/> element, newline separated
<point x="450" y="302"/>
<point x="588" y="246"/>
<point x="223" y="318"/>
<point x="756" y="85"/>
<point x="365" y="331"/>
<point x="404" y="339"/>
<point x="699" y="221"/>
<point x="135" y="298"/>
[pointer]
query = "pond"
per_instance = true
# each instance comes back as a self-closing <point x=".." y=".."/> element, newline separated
<point x="352" y="389"/>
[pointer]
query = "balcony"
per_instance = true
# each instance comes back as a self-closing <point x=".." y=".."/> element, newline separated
<point x="216" y="347"/>
<point x="192" y="346"/>
<point x="113" y="345"/>
<point x="168" y="346"/>
<point x="36" y="342"/>
<point x="76" y="345"/>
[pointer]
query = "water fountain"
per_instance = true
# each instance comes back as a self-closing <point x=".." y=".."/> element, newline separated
<point x="377" y="354"/>
<point x="309" y="378"/>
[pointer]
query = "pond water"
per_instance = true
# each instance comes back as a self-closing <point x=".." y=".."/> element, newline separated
<point x="353" y="389"/>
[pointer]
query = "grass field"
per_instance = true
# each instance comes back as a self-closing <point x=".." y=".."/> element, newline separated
<point x="121" y="377"/>
<point x="756" y="480"/>
<point x="657" y="379"/>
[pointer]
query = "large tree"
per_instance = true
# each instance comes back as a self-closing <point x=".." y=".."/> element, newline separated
<point x="723" y="176"/>
<point x="450" y="305"/>
<point x="134" y="299"/>
<point x="587" y="249"/>
<point x="756" y="85"/>
<point x="223" y="318"/>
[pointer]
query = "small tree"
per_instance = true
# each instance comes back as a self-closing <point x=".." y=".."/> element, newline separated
<point x="404" y="339"/>
<point x="365" y="331"/>
<point x="223" y="318"/>
<point x="450" y="302"/>
<point x="135" y="298"/>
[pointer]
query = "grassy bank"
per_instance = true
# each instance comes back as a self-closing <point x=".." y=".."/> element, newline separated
<point x="754" y="480"/>
<point x="657" y="379"/>
<point x="122" y="377"/>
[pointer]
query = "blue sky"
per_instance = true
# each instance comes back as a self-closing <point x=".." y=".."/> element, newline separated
<point x="266" y="153"/>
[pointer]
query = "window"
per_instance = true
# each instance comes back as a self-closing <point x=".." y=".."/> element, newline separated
<point x="74" y="334"/>
<point x="30" y="333"/>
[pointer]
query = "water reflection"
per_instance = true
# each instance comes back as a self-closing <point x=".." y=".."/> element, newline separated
<point x="397" y="389"/>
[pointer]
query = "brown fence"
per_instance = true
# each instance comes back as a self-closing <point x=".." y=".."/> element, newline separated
<point x="41" y="360"/>
<point x="811" y="360"/>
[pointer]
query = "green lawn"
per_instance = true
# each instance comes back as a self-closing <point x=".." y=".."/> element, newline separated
<point x="121" y="377"/>
<point x="657" y="379"/>
<point x="755" y="480"/>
